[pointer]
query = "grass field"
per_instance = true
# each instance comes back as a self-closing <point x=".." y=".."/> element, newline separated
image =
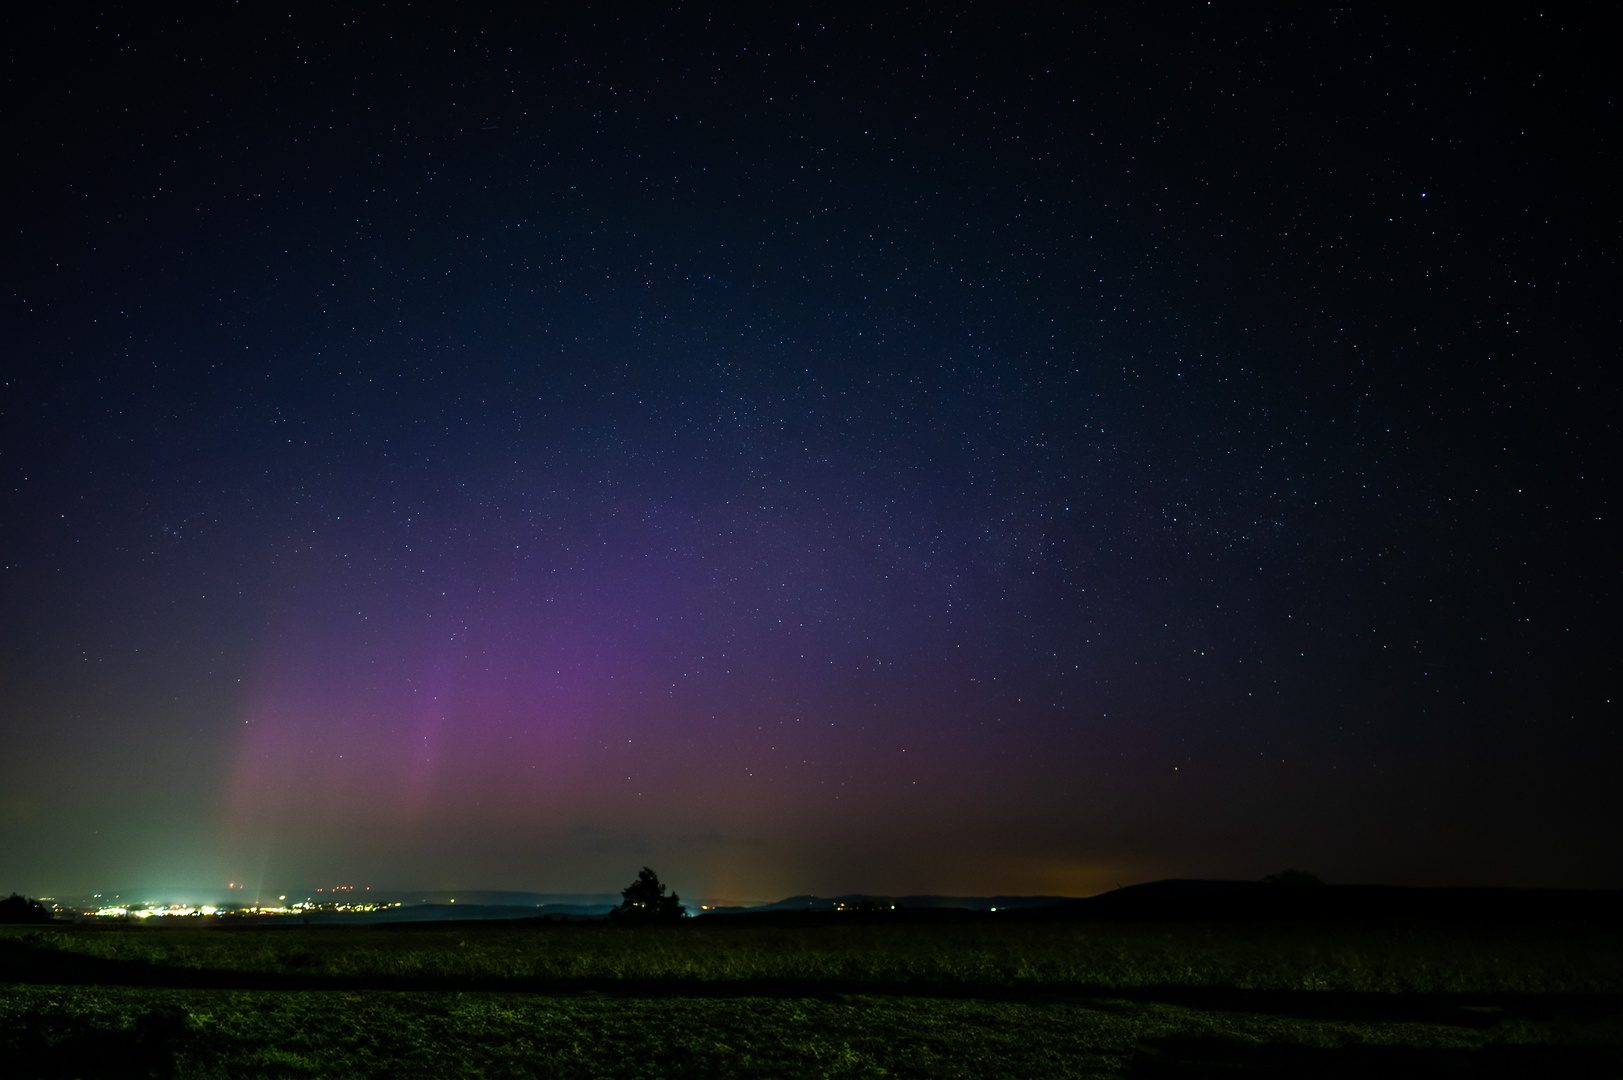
<point x="977" y="999"/>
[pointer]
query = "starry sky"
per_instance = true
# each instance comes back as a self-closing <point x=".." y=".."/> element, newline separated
<point x="964" y="451"/>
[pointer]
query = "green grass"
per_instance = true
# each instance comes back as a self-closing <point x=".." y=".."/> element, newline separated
<point x="974" y="956"/>
<point x="972" y="1000"/>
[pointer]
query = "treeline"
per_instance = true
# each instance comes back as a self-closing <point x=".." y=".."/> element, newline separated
<point x="21" y="909"/>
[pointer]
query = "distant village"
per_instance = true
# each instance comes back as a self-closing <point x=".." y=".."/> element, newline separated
<point x="337" y="898"/>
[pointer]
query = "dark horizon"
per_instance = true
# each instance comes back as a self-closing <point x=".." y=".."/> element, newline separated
<point x="970" y="452"/>
<point x="1290" y="897"/>
<point x="485" y="899"/>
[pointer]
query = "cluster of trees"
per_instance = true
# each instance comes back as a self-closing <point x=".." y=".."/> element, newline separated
<point x="644" y="900"/>
<point x="20" y="909"/>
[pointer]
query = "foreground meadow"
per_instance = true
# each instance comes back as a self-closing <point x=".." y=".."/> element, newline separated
<point x="977" y="999"/>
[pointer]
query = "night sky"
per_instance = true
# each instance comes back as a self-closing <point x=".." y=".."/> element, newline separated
<point x="965" y="451"/>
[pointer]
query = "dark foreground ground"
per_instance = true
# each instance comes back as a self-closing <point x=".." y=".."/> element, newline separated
<point x="740" y="999"/>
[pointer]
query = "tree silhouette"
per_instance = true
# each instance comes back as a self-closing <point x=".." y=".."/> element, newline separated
<point x="644" y="900"/>
<point x="20" y="909"/>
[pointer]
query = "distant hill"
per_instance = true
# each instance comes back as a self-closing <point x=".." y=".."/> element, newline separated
<point x="866" y="901"/>
<point x="410" y="913"/>
<point x="1190" y="900"/>
<point x="1172" y="900"/>
<point x="491" y="898"/>
<point x="1180" y="900"/>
